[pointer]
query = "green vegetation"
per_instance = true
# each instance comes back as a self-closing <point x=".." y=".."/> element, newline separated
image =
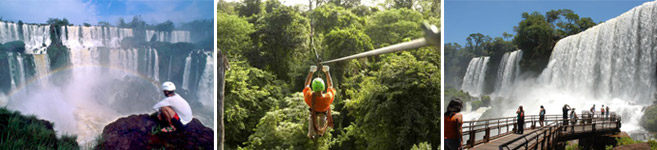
<point x="628" y="141"/>
<point x="649" y="118"/>
<point x="573" y="147"/>
<point x="452" y="93"/>
<point x="28" y="132"/>
<point x="536" y="34"/>
<point x="391" y="101"/>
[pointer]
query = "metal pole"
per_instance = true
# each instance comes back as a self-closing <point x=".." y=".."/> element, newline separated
<point x="431" y="37"/>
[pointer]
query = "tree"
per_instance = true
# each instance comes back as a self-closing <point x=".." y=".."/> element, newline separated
<point x="164" y="26"/>
<point x="250" y="93"/>
<point x="345" y="3"/>
<point x="534" y="36"/>
<point x="227" y="7"/>
<point x="250" y="8"/>
<point x="233" y="35"/>
<point x="341" y="43"/>
<point x="270" y="5"/>
<point x="286" y="128"/>
<point x="393" y="26"/>
<point x="476" y="43"/>
<point x="105" y="24"/>
<point x="329" y="17"/>
<point x="570" y="24"/>
<point x="57" y="21"/>
<point x="280" y="38"/>
<point x="398" y="106"/>
<point x="403" y="4"/>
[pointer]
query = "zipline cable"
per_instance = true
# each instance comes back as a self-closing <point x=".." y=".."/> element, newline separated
<point x="431" y="37"/>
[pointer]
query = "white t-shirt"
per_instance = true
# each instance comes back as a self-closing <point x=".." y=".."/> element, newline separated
<point x="179" y="105"/>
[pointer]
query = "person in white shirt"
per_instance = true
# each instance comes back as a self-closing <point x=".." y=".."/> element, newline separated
<point x="173" y="110"/>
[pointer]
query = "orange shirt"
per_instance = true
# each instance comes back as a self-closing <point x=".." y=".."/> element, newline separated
<point x="452" y="126"/>
<point x="323" y="103"/>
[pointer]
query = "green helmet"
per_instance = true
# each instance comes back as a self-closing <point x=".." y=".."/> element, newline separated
<point x="317" y="85"/>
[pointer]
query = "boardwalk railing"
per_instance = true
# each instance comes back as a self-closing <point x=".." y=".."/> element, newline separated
<point x="483" y="131"/>
<point x="545" y="137"/>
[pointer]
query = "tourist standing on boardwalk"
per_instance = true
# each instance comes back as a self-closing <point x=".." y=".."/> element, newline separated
<point x="602" y="111"/>
<point x="607" y="112"/>
<point x="521" y="120"/>
<point x="573" y="118"/>
<point x="541" y="116"/>
<point x="592" y="111"/>
<point x="565" y="110"/>
<point x="453" y="125"/>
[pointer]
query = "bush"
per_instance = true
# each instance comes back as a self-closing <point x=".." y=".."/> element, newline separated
<point x="28" y="132"/>
<point x="649" y="119"/>
<point x="485" y="100"/>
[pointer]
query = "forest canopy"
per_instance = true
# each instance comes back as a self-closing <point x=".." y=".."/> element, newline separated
<point x="390" y="101"/>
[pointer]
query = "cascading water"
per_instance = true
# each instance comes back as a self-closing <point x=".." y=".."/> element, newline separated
<point x="35" y="37"/>
<point x="172" y="37"/>
<point x="16" y="69"/>
<point x="473" y="81"/>
<point x="101" y="81"/>
<point x="93" y="36"/>
<point x="8" y="32"/>
<point x="507" y="72"/>
<point x="188" y="67"/>
<point x="611" y="64"/>
<point x="206" y="83"/>
<point x="42" y="66"/>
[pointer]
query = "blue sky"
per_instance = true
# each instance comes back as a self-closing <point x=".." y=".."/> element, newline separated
<point x="93" y="11"/>
<point x="494" y="17"/>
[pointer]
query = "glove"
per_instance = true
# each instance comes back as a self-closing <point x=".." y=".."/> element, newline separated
<point x="313" y="68"/>
<point x="325" y="68"/>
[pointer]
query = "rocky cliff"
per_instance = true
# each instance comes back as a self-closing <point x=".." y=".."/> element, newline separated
<point x="142" y="132"/>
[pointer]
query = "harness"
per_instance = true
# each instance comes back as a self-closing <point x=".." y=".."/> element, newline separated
<point x="313" y="112"/>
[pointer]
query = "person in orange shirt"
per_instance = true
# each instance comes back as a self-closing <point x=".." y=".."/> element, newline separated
<point x="319" y="102"/>
<point x="454" y="125"/>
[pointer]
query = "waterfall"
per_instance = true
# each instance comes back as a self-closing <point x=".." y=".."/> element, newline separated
<point x="171" y="37"/>
<point x="16" y="69"/>
<point x="612" y="64"/>
<point x="205" y="88"/>
<point x="473" y="81"/>
<point x="42" y="67"/>
<point x="188" y="66"/>
<point x="104" y="80"/>
<point x="8" y="32"/>
<point x="93" y="36"/>
<point x="507" y="72"/>
<point x="152" y="63"/>
<point x="615" y="59"/>
<point x="35" y="37"/>
<point x="180" y="36"/>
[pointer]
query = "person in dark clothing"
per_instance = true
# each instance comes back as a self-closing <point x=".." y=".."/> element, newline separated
<point x="607" y="112"/>
<point x="541" y="116"/>
<point x="454" y="125"/>
<point x="521" y="120"/>
<point x="565" y="110"/>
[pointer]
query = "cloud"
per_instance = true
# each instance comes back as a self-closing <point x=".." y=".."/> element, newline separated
<point x="177" y="11"/>
<point x="38" y="11"/>
<point x="93" y="11"/>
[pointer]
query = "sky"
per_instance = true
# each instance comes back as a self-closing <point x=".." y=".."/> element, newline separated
<point x="94" y="11"/>
<point x="494" y="17"/>
<point x="305" y="2"/>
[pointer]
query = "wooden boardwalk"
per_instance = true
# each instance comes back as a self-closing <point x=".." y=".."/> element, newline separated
<point x="498" y="134"/>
